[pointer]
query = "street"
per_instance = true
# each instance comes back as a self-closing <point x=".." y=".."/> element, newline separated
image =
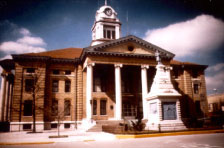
<point x="183" y="141"/>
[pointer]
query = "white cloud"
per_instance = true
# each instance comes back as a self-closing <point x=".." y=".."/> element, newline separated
<point x="24" y="44"/>
<point x="201" y="34"/>
<point x="24" y="31"/>
<point x="28" y="40"/>
<point x="16" y="47"/>
<point x="216" y="67"/>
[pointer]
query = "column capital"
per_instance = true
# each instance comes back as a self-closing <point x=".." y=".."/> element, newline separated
<point x="145" y="66"/>
<point x="118" y="65"/>
<point x="90" y="64"/>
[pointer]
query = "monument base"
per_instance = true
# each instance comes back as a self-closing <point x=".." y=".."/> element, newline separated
<point x="166" y="125"/>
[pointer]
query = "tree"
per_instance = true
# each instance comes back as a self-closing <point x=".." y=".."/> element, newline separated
<point x="59" y="115"/>
<point x="35" y="90"/>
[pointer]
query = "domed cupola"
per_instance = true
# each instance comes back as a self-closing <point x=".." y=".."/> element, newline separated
<point x="106" y="26"/>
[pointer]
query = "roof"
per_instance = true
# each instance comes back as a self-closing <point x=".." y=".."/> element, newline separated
<point x="179" y="63"/>
<point x="7" y="64"/>
<point x="78" y="54"/>
<point x="66" y="53"/>
<point x="100" y="47"/>
<point x="175" y="62"/>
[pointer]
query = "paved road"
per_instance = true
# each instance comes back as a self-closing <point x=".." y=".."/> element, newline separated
<point x="184" y="141"/>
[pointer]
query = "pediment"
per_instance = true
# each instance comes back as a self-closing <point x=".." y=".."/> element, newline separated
<point x="124" y="46"/>
<point x="129" y="48"/>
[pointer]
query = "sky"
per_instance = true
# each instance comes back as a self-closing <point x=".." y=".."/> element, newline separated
<point x="191" y="29"/>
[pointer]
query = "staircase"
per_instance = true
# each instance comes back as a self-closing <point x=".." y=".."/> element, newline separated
<point x="100" y="123"/>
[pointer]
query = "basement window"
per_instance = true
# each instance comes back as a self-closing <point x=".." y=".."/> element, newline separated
<point x="27" y="126"/>
<point x="67" y="125"/>
<point x="54" y="125"/>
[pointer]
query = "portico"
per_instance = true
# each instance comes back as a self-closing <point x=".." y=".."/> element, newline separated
<point x="123" y="88"/>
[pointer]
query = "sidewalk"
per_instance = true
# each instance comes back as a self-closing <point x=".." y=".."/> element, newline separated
<point x="24" y="138"/>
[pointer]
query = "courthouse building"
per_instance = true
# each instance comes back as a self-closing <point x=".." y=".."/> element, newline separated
<point x="113" y="79"/>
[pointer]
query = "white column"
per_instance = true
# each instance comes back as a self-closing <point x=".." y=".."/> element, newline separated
<point x="118" y="110"/>
<point x="5" y="105"/>
<point x="10" y="99"/>
<point x="2" y="100"/>
<point x="144" y="90"/>
<point x="89" y="89"/>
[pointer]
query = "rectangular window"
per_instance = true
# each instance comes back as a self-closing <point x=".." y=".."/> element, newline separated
<point x="30" y="70"/>
<point x="113" y="34"/>
<point x="54" y="107"/>
<point x="196" y="89"/>
<point x="55" y="86"/>
<point x="94" y="107"/>
<point x="67" y="86"/>
<point x="28" y="106"/>
<point x="194" y="73"/>
<point x="169" y="110"/>
<point x="103" y="107"/>
<point x="29" y="85"/>
<point x="67" y="72"/>
<point x="97" y="84"/>
<point x="129" y="109"/>
<point x="56" y="72"/>
<point x="67" y="107"/>
<point x="104" y="33"/>
<point x="108" y="34"/>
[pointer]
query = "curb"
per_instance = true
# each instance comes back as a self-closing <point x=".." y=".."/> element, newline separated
<point x="25" y="143"/>
<point x="168" y="134"/>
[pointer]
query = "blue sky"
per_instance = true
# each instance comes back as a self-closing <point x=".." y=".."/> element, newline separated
<point x="191" y="29"/>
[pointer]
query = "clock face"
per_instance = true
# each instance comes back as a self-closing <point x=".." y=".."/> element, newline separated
<point x="108" y="11"/>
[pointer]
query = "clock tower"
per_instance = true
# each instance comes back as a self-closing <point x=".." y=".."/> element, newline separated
<point x="106" y="27"/>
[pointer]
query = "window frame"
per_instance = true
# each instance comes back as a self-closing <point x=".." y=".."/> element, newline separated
<point x="30" y="70"/>
<point x="67" y="107"/>
<point x="94" y="107"/>
<point x="103" y="107"/>
<point x="67" y="86"/>
<point x="55" y="88"/>
<point x="29" y="86"/>
<point x="109" y="32"/>
<point x="28" y="110"/>
<point x="196" y="89"/>
<point x="54" y="107"/>
<point x="55" y="72"/>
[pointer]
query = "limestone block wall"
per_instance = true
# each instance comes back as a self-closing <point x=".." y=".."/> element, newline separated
<point x="20" y="95"/>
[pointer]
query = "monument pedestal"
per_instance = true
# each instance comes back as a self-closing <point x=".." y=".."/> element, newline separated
<point x="163" y="100"/>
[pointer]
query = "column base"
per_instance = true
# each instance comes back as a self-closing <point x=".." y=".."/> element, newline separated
<point x="87" y="124"/>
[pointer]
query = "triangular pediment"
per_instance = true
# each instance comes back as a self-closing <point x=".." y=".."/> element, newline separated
<point x="129" y="45"/>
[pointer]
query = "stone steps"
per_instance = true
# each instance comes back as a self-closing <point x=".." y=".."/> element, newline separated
<point x="100" y="123"/>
